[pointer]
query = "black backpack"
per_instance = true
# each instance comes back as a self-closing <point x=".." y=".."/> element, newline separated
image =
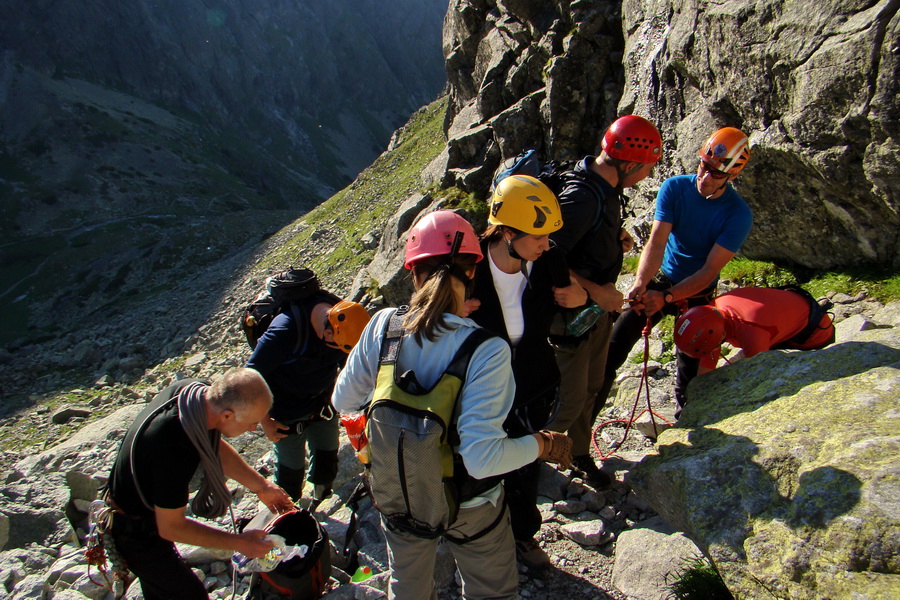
<point x="556" y="175"/>
<point x="817" y="310"/>
<point x="302" y="577"/>
<point x="282" y="290"/>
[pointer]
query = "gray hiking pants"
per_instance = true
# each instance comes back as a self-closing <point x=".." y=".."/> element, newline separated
<point x="487" y="566"/>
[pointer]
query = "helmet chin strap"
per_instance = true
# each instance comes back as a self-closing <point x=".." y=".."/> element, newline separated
<point x="523" y="264"/>
<point x="717" y="190"/>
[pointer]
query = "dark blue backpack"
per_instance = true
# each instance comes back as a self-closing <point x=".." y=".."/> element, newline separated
<point x="556" y="175"/>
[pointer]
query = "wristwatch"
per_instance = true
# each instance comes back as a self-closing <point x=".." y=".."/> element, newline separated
<point x="668" y="297"/>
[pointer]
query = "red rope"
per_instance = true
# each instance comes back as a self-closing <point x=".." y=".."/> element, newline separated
<point x="643" y="386"/>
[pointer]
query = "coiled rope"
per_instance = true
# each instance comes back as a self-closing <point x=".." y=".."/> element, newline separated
<point x="643" y="386"/>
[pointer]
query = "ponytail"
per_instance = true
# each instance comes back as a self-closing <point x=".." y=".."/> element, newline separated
<point x="436" y="296"/>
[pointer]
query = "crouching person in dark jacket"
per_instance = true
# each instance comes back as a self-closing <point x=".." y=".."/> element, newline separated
<point x="299" y="356"/>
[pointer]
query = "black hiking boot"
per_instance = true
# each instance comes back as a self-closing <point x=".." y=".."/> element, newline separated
<point x="585" y="466"/>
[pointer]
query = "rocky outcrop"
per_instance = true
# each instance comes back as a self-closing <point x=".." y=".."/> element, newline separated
<point x="816" y="91"/>
<point x="530" y="73"/>
<point x="783" y="468"/>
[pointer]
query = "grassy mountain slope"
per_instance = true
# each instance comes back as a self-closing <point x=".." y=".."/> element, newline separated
<point x="208" y="301"/>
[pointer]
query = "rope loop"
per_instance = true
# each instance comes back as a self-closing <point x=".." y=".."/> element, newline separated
<point x="643" y="386"/>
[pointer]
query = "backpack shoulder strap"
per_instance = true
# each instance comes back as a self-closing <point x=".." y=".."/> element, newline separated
<point x="302" y="332"/>
<point x="393" y="337"/>
<point x="458" y="367"/>
<point x="460" y="363"/>
<point x="576" y="179"/>
<point x="174" y="391"/>
<point x="817" y="310"/>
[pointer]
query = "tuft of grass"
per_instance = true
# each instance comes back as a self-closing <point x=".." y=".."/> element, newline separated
<point x="664" y="330"/>
<point x="881" y="284"/>
<point x="746" y="272"/>
<point x="698" y="579"/>
<point x="477" y="210"/>
<point x="630" y="263"/>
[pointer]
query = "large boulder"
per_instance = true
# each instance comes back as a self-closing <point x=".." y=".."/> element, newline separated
<point x="817" y="92"/>
<point x="783" y="470"/>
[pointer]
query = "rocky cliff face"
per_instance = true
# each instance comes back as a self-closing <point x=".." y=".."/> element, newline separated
<point x="529" y="73"/>
<point x="817" y="93"/>
<point x="816" y="90"/>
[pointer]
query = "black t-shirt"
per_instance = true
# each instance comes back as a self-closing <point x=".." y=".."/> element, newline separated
<point x="165" y="459"/>
<point x="589" y="239"/>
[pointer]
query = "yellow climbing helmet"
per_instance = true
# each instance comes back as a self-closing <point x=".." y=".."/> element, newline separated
<point x="525" y="203"/>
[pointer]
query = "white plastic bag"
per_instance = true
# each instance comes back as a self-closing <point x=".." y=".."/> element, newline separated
<point x="272" y="558"/>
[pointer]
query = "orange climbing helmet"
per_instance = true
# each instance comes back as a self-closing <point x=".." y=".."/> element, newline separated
<point x="347" y="320"/>
<point x="633" y="139"/>
<point x="699" y="331"/>
<point x="727" y="150"/>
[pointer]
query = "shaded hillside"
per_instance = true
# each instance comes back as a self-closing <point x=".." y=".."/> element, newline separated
<point x="157" y="330"/>
<point x="141" y="143"/>
<point x="320" y="85"/>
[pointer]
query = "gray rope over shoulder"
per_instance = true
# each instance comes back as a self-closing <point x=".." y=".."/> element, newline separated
<point x="213" y="499"/>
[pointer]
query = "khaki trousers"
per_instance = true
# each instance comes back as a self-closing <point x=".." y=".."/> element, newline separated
<point x="487" y="566"/>
<point x="582" y="367"/>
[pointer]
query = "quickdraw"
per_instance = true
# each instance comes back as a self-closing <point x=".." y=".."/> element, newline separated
<point x="100" y="549"/>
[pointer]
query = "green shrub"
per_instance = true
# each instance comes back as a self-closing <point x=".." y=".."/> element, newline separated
<point x="698" y="580"/>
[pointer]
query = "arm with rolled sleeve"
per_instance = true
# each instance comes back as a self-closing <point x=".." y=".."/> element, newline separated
<point x="485" y="400"/>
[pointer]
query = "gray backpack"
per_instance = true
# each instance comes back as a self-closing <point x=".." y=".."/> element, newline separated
<point x="414" y="478"/>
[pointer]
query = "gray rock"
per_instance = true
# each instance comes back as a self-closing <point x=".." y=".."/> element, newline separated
<point x="67" y="413"/>
<point x="569" y="507"/>
<point x="888" y="315"/>
<point x="783" y="470"/>
<point x="849" y="328"/>
<point x="650" y="426"/>
<point x="587" y="533"/>
<point x="32" y="587"/>
<point x="647" y="561"/>
<point x="552" y="483"/>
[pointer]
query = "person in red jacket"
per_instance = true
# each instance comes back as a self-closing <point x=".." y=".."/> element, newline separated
<point x="753" y="319"/>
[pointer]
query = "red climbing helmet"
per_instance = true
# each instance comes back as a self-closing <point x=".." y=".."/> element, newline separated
<point x="699" y="331"/>
<point x="435" y="235"/>
<point x="727" y="150"/>
<point x="633" y="139"/>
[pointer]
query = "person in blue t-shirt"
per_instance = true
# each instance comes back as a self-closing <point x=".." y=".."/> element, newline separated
<point x="700" y="224"/>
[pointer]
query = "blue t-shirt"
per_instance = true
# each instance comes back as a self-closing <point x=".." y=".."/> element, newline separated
<point x="698" y="224"/>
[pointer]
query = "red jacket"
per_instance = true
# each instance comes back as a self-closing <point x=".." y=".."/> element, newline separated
<point x="758" y="318"/>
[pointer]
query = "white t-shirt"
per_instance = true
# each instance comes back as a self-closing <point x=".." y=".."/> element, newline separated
<point x="509" y="290"/>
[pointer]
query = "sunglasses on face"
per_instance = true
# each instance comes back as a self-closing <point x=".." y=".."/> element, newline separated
<point x="706" y="168"/>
